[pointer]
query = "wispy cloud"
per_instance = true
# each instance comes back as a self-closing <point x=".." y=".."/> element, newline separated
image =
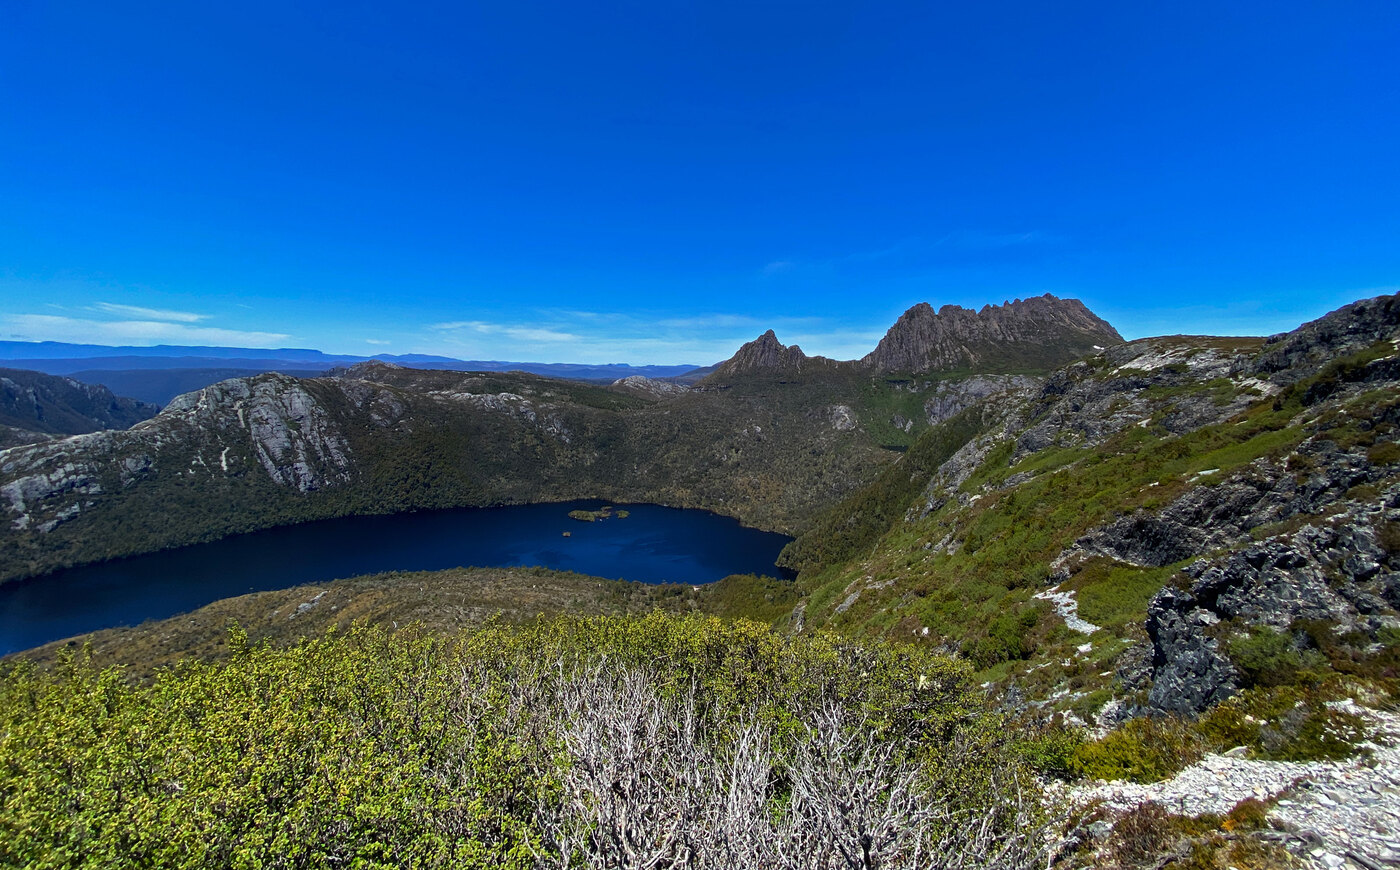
<point x="52" y="327"/>
<point x="140" y="313"/>
<point x="515" y="331"/>
<point x="711" y="321"/>
<point x="970" y="239"/>
<point x="378" y="341"/>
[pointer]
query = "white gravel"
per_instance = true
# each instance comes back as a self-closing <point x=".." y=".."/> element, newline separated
<point x="1340" y="814"/>
<point x="1067" y="608"/>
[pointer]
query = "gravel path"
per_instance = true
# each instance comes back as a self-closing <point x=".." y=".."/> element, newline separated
<point x="1336" y="815"/>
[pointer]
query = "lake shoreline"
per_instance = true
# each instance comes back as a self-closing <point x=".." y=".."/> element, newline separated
<point x="655" y="544"/>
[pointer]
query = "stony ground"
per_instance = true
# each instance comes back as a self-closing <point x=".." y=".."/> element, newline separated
<point x="1330" y="814"/>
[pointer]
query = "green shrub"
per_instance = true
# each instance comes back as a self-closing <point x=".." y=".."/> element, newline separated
<point x="1285" y="723"/>
<point x="1271" y="658"/>
<point x="1249" y="814"/>
<point x="1051" y="750"/>
<point x="1141" y="750"/>
<point x="1008" y="638"/>
<point x="371" y="749"/>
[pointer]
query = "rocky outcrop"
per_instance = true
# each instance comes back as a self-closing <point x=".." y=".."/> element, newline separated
<point x="1221" y="514"/>
<point x="1025" y="335"/>
<point x="288" y="431"/>
<point x="1040" y="333"/>
<point x="1292" y="356"/>
<point x="1149" y="382"/>
<point x="1340" y="572"/>
<point x="271" y="423"/>
<point x="1190" y="672"/>
<point x="547" y="418"/>
<point x="50" y="484"/>
<point x="38" y="403"/>
<point x="951" y="397"/>
<point x="766" y="356"/>
<point x="650" y="387"/>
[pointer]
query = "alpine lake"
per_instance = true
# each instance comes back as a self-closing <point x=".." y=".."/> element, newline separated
<point x="642" y="542"/>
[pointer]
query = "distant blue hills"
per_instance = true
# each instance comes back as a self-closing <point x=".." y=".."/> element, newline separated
<point x="59" y="350"/>
<point x="159" y="373"/>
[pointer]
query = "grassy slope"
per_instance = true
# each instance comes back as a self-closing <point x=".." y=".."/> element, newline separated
<point x="980" y="598"/>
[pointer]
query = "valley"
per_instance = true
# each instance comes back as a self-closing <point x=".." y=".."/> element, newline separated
<point x="1142" y="552"/>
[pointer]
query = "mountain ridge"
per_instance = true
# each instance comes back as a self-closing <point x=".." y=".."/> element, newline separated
<point x="1040" y="332"/>
<point x="1024" y="336"/>
<point x="36" y="406"/>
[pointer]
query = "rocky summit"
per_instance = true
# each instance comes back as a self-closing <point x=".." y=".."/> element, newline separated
<point x="765" y="355"/>
<point x="1024" y="336"/>
<point x="1038" y="333"/>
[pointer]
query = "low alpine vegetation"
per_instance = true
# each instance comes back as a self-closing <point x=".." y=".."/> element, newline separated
<point x="658" y="741"/>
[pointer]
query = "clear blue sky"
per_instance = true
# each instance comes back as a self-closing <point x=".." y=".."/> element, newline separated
<point x="656" y="182"/>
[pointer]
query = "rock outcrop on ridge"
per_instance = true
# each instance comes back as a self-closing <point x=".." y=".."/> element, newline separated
<point x="1027" y="334"/>
<point x="1020" y="337"/>
<point x="1337" y="572"/>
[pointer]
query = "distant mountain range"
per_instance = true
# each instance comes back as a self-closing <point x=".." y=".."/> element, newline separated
<point x="1017" y="337"/>
<point x="59" y="351"/>
<point x="160" y="373"/>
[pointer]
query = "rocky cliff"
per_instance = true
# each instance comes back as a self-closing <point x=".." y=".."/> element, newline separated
<point x="1027" y="334"/>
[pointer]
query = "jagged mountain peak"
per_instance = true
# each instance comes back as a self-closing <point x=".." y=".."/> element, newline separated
<point x="764" y="355"/>
<point x="1037" y="333"/>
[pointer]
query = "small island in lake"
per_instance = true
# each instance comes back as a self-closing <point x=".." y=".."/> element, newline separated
<point x="602" y="513"/>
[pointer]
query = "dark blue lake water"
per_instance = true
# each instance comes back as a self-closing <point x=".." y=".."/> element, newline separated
<point x="654" y="545"/>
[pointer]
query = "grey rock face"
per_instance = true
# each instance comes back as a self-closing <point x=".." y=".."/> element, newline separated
<point x="1338" y="572"/>
<point x="1043" y="332"/>
<point x="949" y="398"/>
<point x="841" y="417"/>
<point x="541" y="415"/>
<point x="1220" y="515"/>
<point x="1142" y="383"/>
<point x="271" y="420"/>
<point x="50" y="480"/>
<point x="1190" y="673"/>
<point x="1295" y="355"/>
<point x="651" y="387"/>
<point x="766" y="355"/>
<point x="289" y="433"/>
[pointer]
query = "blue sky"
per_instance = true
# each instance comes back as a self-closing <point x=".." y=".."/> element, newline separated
<point x="656" y="182"/>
